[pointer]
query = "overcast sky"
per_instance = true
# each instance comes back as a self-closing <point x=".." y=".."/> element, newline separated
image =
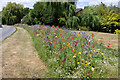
<point x="80" y="3"/>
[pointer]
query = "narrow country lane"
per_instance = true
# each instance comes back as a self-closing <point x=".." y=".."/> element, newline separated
<point x="19" y="57"/>
<point x="6" y="31"/>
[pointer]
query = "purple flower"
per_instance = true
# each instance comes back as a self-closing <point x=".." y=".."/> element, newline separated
<point x="85" y="52"/>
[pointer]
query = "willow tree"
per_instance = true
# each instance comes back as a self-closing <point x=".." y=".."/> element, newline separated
<point x="69" y="17"/>
<point x="12" y="13"/>
<point x="90" y="18"/>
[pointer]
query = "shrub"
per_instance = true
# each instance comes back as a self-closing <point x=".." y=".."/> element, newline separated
<point x="117" y="31"/>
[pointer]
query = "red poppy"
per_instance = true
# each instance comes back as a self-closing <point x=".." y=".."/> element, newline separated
<point x="60" y="34"/>
<point x="108" y="46"/>
<point x="39" y="29"/>
<point x="87" y="41"/>
<point x="72" y="49"/>
<point x="75" y="32"/>
<point x="72" y="38"/>
<point x="52" y="25"/>
<point x="62" y="48"/>
<point x="76" y="42"/>
<point x="92" y="46"/>
<point x="95" y="57"/>
<point x="88" y="74"/>
<point x="92" y="35"/>
<point x="71" y="35"/>
<point x="74" y="70"/>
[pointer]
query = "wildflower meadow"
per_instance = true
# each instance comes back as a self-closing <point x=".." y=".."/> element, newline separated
<point x="70" y="54"/>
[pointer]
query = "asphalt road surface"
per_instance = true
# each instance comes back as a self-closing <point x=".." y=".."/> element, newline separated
<point x="6" y="31"/>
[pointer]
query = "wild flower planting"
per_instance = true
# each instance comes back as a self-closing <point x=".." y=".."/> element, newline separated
<point x="74" y="54"/>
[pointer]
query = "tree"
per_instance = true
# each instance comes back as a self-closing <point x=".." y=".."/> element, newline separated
<point x="12" y="13"/>
<point x="26" y="11"/>
<point x="69" y="17"/>
<point x="110" y="22"/>
<point x="90" y="18"/>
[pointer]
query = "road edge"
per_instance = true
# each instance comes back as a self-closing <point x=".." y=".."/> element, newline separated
<point x="10" y="35"/>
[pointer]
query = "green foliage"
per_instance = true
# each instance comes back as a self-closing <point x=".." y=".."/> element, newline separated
<point x="69" y="18"/>
<point x="117" y="31"/>
<point x="100" y="18"/>
<point x="83" y="28"/>
<point x="57" y="13"/>
<point x="26" y="11"/>
<point x="12" y="13"/>
<point x="110" y="22"/>
<point x="90" y="18"/>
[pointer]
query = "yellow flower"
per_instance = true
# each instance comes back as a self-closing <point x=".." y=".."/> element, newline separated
<point x="82" y="59"/>
<point x="79" y="53"/>
<point x="85" y="61"/>
<point x="98" y="53"/>
<point x="86" y="64"/>
<point x="102" y="53"/>
<point x="98" y="49"/>
<point x="78" y="62"/>
<point x="92" y="69"/>
<point x="99" y="40"/>
<point x="82" y="63"/>
<point x="93" y="50"/>
<point x="74" y="56"/>
<point x="73" y="49"/>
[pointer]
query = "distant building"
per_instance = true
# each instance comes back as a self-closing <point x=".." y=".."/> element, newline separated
<point x="119" y="4"/>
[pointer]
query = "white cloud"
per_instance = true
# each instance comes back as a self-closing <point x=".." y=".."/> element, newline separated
<point x="93" y="3"/>
<point x="26" y="3"/>
<point x="107" y="2"/>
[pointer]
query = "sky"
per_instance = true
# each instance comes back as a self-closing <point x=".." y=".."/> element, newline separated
<point x="80" y="3"/>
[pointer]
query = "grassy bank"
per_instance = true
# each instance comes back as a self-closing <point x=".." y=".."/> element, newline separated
<point x="70" y="55"/>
